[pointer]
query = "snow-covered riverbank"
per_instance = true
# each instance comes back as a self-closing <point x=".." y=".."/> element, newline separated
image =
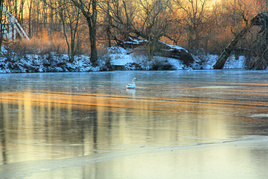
<point x="11" y="62"/>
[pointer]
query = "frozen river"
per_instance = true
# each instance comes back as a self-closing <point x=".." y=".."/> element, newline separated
<point x="175" y="124"/>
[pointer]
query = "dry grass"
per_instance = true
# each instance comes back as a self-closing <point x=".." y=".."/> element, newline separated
<point x="39" y="46"/>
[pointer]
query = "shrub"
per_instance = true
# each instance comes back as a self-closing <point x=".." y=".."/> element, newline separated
<point x="133" y="66"/>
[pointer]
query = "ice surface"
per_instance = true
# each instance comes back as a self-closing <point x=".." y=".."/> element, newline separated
<point x="175" y="124"/>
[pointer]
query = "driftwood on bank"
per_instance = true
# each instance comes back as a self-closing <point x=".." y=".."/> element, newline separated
<point x="173" y="51"/>
<point x="161" y="49"/>
<point x="259" y="20"/>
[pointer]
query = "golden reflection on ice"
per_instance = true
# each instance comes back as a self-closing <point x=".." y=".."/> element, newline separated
<point x="188" y="119"/>
<point x="91" y="101"/>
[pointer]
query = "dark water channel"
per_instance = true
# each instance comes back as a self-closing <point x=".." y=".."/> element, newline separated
<point x="175" y="124"/>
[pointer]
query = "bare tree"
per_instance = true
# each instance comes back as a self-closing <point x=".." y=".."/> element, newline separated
<point x="195" y="18"/>
<point x="143" y="19"/>
<point x="89" y="11"/>
<point x="30" y="7"/>
<point x="105" y="22"/>
<point x="70" y="17"/>
<point x="155" y="22"/>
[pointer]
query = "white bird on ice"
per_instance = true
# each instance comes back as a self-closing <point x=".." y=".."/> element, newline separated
<point x="132" y="85"/>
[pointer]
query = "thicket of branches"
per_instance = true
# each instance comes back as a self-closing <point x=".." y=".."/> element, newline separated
<point x="88" y="25"/>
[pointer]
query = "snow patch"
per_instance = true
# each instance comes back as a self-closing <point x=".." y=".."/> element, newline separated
<point x="231" y="63"/>
<point x="116" y="50"/>
<point x="234" y="63"/>
<point x="260" y="115"/>
<point x="174" y="47"/>
<point x="121" y="59"/>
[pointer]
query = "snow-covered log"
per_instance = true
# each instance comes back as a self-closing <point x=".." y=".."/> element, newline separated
<point x="162" y="49"/>
<point x="130" y="43"/>
<point x="174" y="51"/>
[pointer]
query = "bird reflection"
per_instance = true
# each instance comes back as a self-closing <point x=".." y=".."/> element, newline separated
<point x="131" y="92"/>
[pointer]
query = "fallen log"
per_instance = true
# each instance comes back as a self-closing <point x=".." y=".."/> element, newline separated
<point x="259" y="20"/>
<point x="162" y="49"/>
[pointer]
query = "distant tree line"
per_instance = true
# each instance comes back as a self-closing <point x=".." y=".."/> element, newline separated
<point x="91" y="24"/>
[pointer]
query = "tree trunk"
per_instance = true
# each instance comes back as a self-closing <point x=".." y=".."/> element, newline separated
<point x="91" y="17"/>
<point x="63" y="19"/>
<point x="93" y="42"/>
<point x="1" y="25"/>
<point x="21" y="17"/>
<point x="30" y="18"/>
<point x="93" y="34"/>
<point x="259" y="20"/>
<point x="227" y="51"/>
<point x="109" y="24"/>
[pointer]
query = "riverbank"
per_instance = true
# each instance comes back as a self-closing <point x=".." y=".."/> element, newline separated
<point x="116" y="58"/>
